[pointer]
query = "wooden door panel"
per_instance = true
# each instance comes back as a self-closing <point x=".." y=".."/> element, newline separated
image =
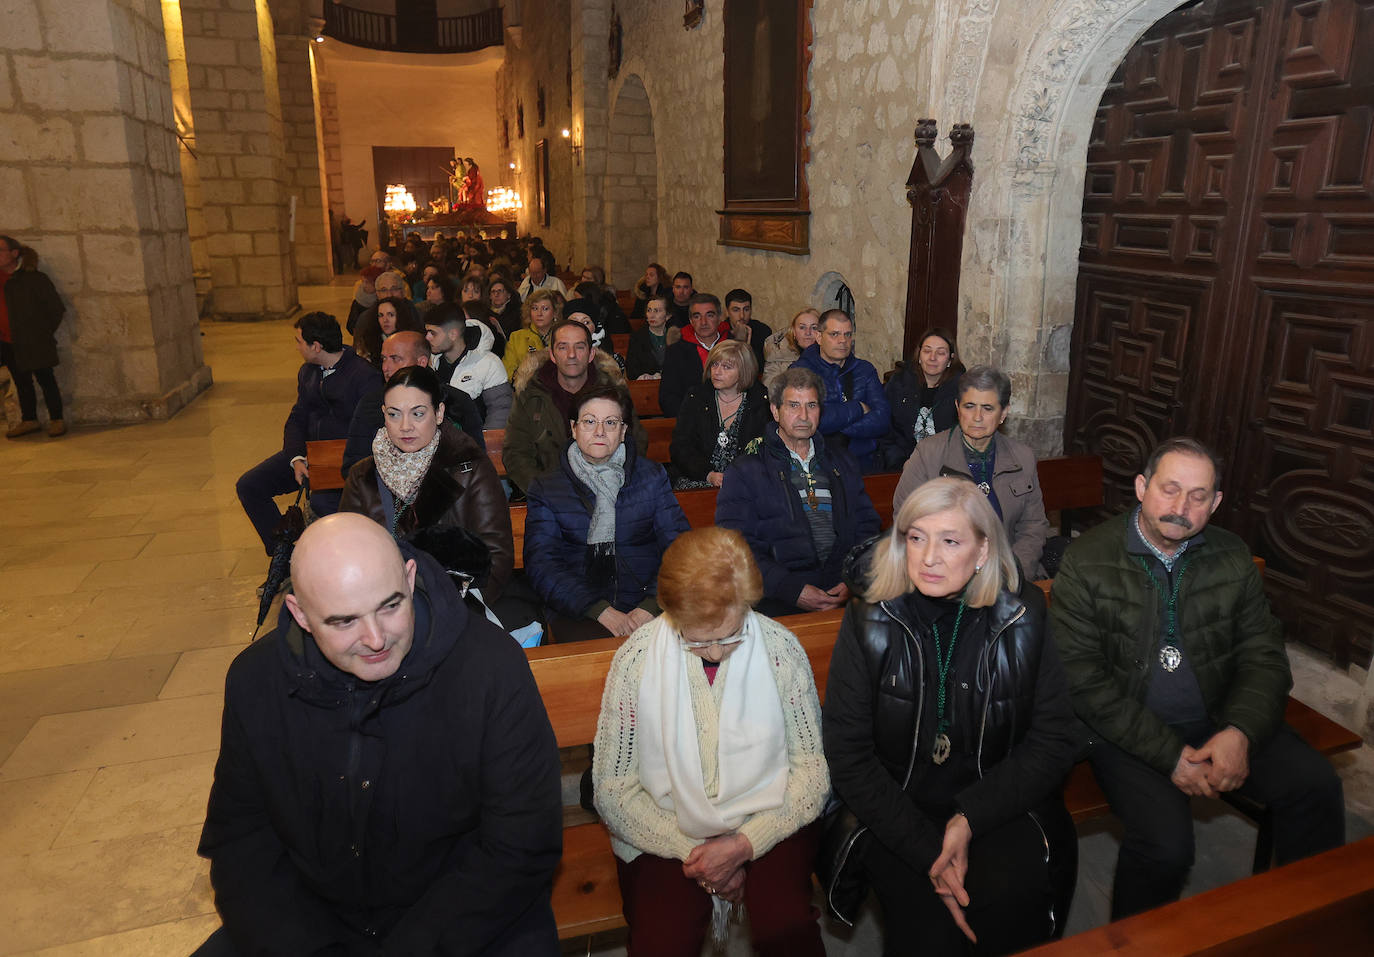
<point x="1306" y="493"/>
<point x="1226" y="286"/>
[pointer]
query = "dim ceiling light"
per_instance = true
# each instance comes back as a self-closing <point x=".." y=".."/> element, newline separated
<point x="566" y="132"/>
<point x="319" y="38"/>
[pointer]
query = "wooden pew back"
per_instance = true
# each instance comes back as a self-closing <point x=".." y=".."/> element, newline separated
<point x="644" y="394"/>
<point x="325" y="458"/>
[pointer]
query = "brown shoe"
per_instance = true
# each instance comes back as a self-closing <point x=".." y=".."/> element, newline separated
<point x="56" y="427"/>
<point x="26" y="427"/>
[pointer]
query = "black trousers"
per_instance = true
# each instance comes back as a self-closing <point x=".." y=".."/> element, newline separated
<point x="1298" y="785"/>
<point x="1020" y="882"/>
<point x="23" y="387"/>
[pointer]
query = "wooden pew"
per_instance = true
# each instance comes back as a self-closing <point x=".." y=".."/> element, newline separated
<point x="325" y="458"/>
<point x="625" y="299"/>
<point x="496" y="441"/>
<point x="620" y="342"/>
<point x="1321" y="905"/>
<point x="660" y="432"/>
<point x="644" y="394"/>
<point x="586" y="896"/>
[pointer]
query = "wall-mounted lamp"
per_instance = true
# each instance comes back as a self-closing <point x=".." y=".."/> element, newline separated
<point x="576" y="144"/>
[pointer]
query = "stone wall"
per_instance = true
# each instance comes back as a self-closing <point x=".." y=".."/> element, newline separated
<point x="540" y="54"/>
<point x="631" y="204"/>
<point x="89" y="175"/>
<point x="232" y="68"/>
<point x="301" y="159"/>
<point x="329" y="143"/>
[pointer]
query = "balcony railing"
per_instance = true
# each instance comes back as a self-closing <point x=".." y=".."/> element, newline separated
<point x="380" y="31"/>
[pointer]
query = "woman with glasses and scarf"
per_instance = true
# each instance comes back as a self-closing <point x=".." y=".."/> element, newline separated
<point x="708" y="767"/>
<point x="949" y="731"/>
<point x="597" y="526"/>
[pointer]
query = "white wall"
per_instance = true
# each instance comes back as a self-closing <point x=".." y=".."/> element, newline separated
<point x="410" y="100"/>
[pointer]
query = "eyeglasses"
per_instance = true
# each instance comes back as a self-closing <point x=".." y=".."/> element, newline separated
<point x="703" y="645"/>
<point x="611" y="423"/>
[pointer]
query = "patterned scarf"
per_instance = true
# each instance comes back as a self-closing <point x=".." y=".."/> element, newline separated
<point x="402" y="471"/>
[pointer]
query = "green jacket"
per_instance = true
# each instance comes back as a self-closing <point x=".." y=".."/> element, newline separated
<point x="1104" y="617"/>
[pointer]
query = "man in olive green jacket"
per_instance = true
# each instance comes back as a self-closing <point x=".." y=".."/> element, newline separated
<point x="1178" y="668"/>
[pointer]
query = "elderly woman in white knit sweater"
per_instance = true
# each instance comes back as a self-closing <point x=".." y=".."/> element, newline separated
<point x="708" y="768"/>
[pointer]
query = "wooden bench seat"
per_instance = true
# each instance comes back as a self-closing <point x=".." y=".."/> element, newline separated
<point x="644" y="395"/>
<point x="1320" y="905"/>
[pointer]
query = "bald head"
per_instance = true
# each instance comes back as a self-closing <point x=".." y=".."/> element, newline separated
<point x="352" y="591"/>
<point x="403" y="349"/>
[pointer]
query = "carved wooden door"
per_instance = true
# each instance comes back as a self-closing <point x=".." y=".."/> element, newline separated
<point x="1226" y="286"/>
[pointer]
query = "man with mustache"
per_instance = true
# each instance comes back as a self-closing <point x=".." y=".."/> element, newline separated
<point x="1178" y="668"/>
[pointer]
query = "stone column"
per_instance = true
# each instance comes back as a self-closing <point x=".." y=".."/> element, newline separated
<point x="232" y="67"/>
<point x="89" y="177"/>
<point x="186" y="147"/>
<point x="304" y="158"/>
<point x="329" y="143"/>
<point x="589" y="28"/>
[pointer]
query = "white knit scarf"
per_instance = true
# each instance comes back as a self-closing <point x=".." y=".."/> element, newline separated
<point x="402" y="471"/>
<point x="752" y="749"/>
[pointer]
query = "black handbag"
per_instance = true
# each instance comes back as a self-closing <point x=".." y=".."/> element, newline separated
<point x="839" y="862"/>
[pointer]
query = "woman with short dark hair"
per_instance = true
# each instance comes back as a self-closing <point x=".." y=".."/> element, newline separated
<point x="1001" y="466"/>
<point x="597" y="525"/>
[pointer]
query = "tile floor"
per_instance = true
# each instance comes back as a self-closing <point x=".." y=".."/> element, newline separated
<point x="127" y="578"/>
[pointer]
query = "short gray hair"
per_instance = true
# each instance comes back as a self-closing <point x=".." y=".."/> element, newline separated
<point x="1184" y="445"/>
<point x="796" y="377"/>
<point x="987" y="379"/>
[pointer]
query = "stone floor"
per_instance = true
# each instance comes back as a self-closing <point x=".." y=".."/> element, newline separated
<point x="127" y="578"/>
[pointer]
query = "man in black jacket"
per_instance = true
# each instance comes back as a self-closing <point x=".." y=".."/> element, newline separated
<point x="799" y="502"/>
<point x="328" y="386"/>
<point x="388" y="782"/>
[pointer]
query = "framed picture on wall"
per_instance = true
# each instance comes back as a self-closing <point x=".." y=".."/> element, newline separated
<point x="541" y="180"/>
<point x="767" y="54"/>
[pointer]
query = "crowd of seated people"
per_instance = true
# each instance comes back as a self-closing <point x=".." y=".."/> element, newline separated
<point x="952" y="712"/>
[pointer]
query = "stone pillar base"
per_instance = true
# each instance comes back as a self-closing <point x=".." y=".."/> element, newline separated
<point x="291" y="313"/>
<point x="135" y="409"/>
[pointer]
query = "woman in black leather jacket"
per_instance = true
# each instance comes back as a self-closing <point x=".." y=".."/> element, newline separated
<point x="952" y="805"/>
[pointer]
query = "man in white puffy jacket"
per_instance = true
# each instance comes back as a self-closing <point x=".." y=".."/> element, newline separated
<point x="463" y="359"/>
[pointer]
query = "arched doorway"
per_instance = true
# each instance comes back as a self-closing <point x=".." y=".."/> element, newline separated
<point x="631" y="186"/>
<point x="1226" y="286"/>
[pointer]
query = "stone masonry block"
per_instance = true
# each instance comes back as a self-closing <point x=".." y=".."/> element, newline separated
<point x="211" y="51"/>
<point x="254" y="167"/>
<point x="113" y="263"/>
<point x="69" y="85"/>
<point x="250" y="219"/>
<point x="18" y="215"/>
<point x="225" y="192"/>
<point x="6" y="88"/>
<point x="238" y="300"/>
<point x="22" y="31"/>
<point x="26" y="138"/>
<point x="224" y="272"/>
<point x="68" y="198"/>
<point x="230" y="244"/>
<point x="88" y="30"/>
<point x="216" y="219"/>
<point x="106" y="139"/>
<point x="260" y="270"/>
<point x="264" y="192"/>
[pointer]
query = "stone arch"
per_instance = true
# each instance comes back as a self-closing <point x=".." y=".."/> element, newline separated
<point x="1020" y="262"/>
<point x="631" y="191"/>
<point x="833" y="292"/>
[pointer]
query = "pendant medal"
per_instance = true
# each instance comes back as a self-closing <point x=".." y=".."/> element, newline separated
<point x="722" y="440"/>
<point x="940" y="753"/>
<point x="1170" y="657"/>
<point x="985" y="488"/>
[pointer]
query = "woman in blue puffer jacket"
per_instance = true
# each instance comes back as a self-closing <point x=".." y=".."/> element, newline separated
<point x="598" y="525"/>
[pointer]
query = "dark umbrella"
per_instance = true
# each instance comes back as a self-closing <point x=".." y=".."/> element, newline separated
<point x="284" y="538"/>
